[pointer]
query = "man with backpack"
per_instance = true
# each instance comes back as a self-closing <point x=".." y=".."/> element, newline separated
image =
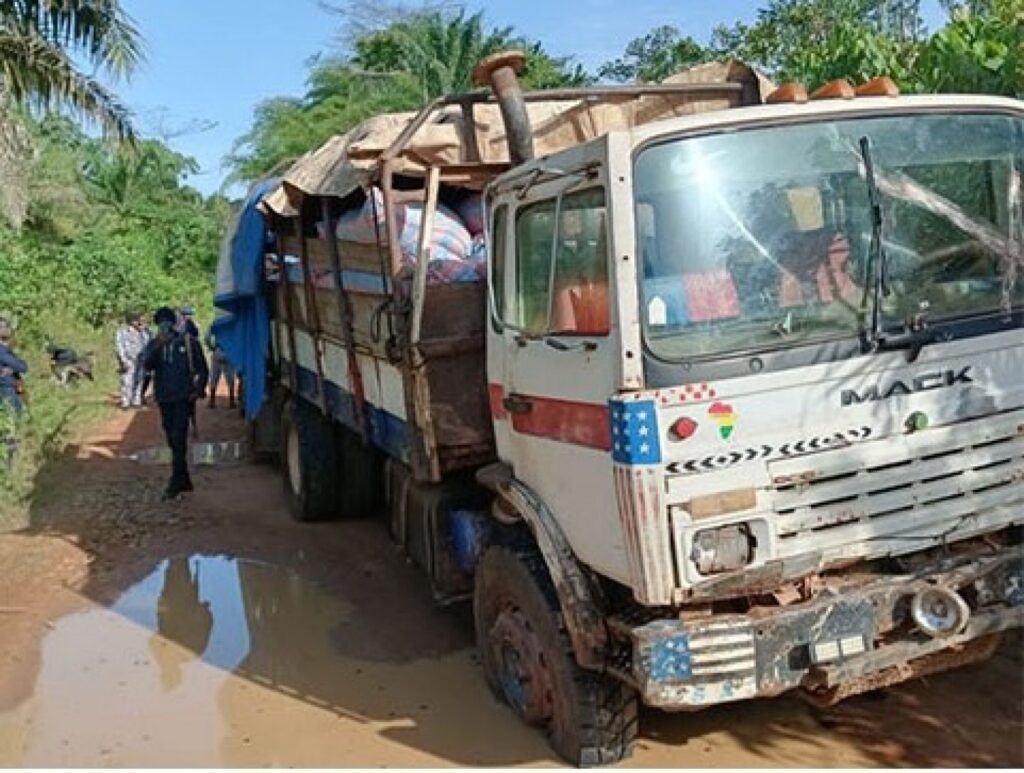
<point x="180" y="375"/>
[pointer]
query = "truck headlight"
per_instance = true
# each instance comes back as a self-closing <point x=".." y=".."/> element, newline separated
<point x="724" y="549"/>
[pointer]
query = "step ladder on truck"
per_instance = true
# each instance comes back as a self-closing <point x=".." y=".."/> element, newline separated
<point x="734" y="407"/>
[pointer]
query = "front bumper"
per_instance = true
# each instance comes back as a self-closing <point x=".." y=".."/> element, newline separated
<point x="842" y="637"/>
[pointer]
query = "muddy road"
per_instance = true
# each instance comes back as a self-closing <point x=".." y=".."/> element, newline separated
<point x="216" y="632"/>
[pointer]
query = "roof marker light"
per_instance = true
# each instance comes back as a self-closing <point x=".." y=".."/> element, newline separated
<point x="878" y="87"/>
<point x="837" y="89"/>
<point x="790" y="92"/>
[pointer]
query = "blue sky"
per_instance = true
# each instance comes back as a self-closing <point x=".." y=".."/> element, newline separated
<point x="210" y="62"/>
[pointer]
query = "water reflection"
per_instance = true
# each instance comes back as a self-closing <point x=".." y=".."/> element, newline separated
<point x="212" y="660"/>
<point x="242" y="616"/>
<point x="181" y="616"/>
<point x="211" y="453"/>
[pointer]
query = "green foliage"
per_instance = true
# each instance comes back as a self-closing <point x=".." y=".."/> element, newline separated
<point x="654" y="57"/>
<point x="55" y="414"/>
<point x="43" y="45"/>
<point x="399" y="66"/>
<point x="815" y="41"/>
<point x="338" y="97"/>
<point x="980" y="50"/>
<point x="109" y="229"/>
<point x="439" y="50"/>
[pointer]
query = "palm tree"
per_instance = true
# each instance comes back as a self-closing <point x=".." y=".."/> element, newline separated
<point x="439" y="49"/>
<point x="41" y="44"/>
<point x="40" y="41"/>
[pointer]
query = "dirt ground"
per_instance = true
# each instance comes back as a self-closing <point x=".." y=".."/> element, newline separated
<point x="215" y="631"/>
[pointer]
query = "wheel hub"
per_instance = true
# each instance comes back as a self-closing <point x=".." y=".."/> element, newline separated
<point x="523" y="672"/>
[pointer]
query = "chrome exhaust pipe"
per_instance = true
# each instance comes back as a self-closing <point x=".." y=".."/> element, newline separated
<point x="500" y="71"/>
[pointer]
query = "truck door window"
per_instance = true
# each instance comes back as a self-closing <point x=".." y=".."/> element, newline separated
<point x="569" y="297"/>
<point x="498" y="249"/>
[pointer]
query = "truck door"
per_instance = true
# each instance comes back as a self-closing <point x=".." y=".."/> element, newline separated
<point x="552" y="362"/>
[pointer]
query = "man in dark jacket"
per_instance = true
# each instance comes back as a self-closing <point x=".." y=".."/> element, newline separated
<point x="12" y="368"/>
<point x="179" y="378"/>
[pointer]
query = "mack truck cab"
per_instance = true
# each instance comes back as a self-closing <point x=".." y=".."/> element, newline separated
<point x="738" y="409"/>
<point x="759" y="375"/>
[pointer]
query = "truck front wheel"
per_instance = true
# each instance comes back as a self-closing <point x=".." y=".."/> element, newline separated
<point x="589" y="718"/>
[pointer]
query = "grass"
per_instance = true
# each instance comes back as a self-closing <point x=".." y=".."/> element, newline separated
<point x="55" y="413"/>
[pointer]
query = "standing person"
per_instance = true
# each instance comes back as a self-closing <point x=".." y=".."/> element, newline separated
<point x="179" y="379"/>
<point x="187" y="324"/>
<point x="145" y="376"/>
<point x="129" y="343"/>
<point x="219" y="364"/>
<point x="12" y="369"/>
<point x="188" y="321"/>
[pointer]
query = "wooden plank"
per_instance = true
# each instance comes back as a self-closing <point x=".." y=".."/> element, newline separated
<point x="423" y="418"/>
<point x="344" y="321"/>
<point x="313" y="318"/>
<point x="419" y="284"/>
<point x="286" y="292"/>
<point x="455" y="311"/>
<point x="352" y="256"/>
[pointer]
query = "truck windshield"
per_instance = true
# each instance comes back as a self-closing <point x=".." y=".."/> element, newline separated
<point x="760" y="239"/>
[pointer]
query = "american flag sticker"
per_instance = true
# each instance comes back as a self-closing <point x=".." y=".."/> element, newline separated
<point x="635" y="432"/>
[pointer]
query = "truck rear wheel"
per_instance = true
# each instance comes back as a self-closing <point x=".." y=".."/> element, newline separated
<point x="589" y="718"/>
<point x="308" y="462"/>
<point x="361" y="474"/>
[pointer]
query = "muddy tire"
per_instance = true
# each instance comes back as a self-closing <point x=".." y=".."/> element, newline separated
<point x="361" y="475"/>
<point x="589" y="718"/>
<point x="308" y="463"/>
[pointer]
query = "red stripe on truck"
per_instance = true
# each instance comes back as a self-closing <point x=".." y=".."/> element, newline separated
<point x="567" y="421"/>
<point x="497" y="394"/>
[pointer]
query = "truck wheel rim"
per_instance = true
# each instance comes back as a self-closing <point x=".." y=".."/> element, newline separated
<point x="294" y="463"/>
<point x="522" y="668"/>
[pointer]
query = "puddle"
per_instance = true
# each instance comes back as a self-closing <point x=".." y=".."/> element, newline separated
<point x="220" y="452"/>
<point x="215" y="661"/>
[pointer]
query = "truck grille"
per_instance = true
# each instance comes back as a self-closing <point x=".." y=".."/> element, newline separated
<point x="908" y="488"/>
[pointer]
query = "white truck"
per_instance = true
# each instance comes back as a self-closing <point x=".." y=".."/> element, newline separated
<point x="738" y="410"/>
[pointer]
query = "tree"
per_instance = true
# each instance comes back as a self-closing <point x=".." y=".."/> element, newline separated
<point x="439" y="49"/>
<point x="981" y="50"/>
<point x="814" y="41"/>
<point x="41" y="44"/>
<point x="127" y="178"/>
<point x="110" y="228"/>
<point x="655" y="56"/>
<point x="398" y="65"/>
<point x="338" y="96"/>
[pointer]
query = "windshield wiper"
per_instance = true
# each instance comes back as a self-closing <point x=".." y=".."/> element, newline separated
<point x="878" y="260"/>
<point x="916" y="334"/>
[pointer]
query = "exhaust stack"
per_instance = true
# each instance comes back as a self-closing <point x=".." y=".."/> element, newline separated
<point x="500" y="71"/>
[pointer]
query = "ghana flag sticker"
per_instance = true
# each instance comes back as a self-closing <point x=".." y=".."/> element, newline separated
<point x="723" y="415"/>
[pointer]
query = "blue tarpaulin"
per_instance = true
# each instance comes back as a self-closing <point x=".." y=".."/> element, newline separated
<point x="243" y="329"/>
